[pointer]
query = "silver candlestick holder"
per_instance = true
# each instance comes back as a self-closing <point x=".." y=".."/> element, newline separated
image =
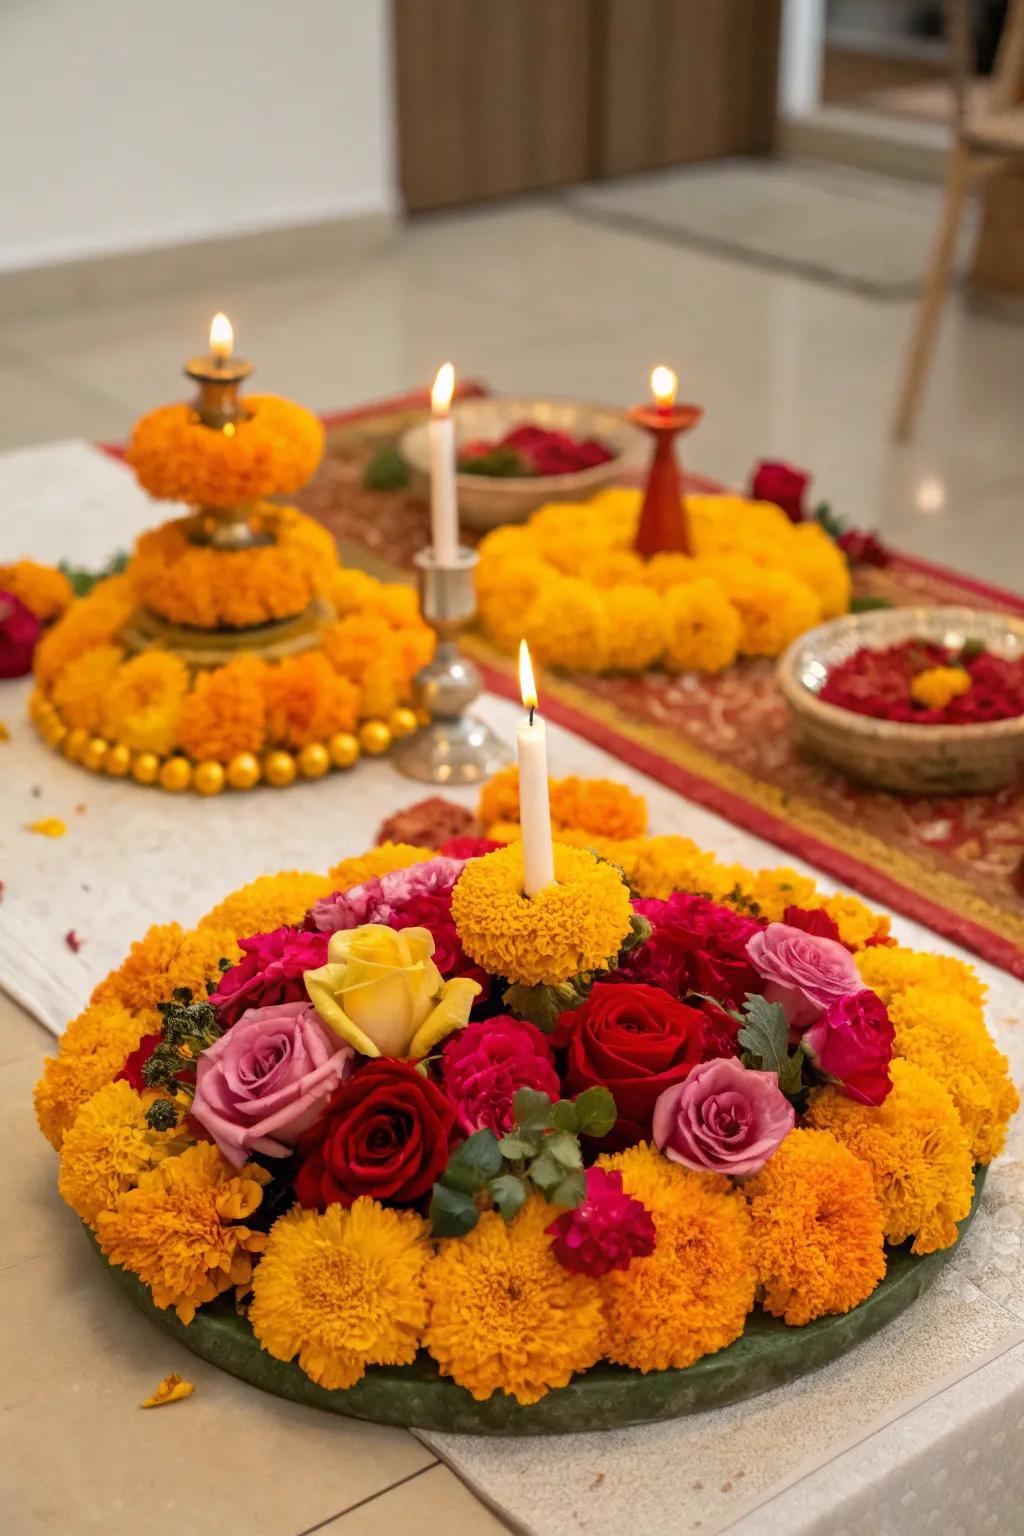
<point x="456" y="747"/>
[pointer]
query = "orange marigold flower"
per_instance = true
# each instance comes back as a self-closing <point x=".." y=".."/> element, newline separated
<point x="357" y="642"/>
<point x="167" y="958"/>
<point x="91" y="1051"/>
<point x="307" y="700"/>
<point x="703" y="627"/>
<point x="600" y="806"/>
<point x="342" y="1290"/>
<point x="274" y="449"/>
<point x="144" y="699"/>
<point x="269" y="902"/>
<point x="917" y="1152"/>
<point x="691" y="1296"/>
<point x="92" y="621"/>
<point x="80" y="692"/>
<point x="946" y="1035"/>
<point x="181" y="1229"/>
<point x="817" y="1228"/>
<point x="42" y="588"/>
<point x="107" y="1149"/>
<point x="379" y="861"/>
<point x="226" y="711"/>
<point x="891" y="969"/>
<point x="856" y="922"/>
<point x="774" y="890"/>
<point x="504" y="1315"/>
<point x="566" y="626"/>
<point x="499" y="798"/>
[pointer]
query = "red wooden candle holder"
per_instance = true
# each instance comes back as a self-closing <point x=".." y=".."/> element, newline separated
<point x="663" y="522"/>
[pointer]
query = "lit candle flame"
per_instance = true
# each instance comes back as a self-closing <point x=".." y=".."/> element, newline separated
<point x="527" y="686"/>
<point x="222" y="337"/>
<point x="444" y="388"/>
<point x="664" y="386"/>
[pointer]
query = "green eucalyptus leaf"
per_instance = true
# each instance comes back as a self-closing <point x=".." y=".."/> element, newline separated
<point x="565" y="1149"/>
<point x="517" y="1147"/>
<point x="452" y="1213"/>
<point x="564" y="1116"/>
<point x="471" y="1165"/>
<point x="572" y="1191"/>
<point x="595" y="1111"/>
<point x="546" y="1172"/>
<point x="531" y="1107"/>
<point x="508" y="1194"/>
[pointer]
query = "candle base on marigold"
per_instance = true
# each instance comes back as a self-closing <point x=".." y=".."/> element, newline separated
<point x="663" y="523"/>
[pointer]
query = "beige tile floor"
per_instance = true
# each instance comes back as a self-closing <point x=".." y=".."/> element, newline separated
<point x="530" y="297"/>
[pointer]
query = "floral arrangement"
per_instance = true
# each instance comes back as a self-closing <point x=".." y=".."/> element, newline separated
<point x="31" y="596"/>
<point x="571" y="581"/>
<point x="404" y="1108"/>
<point x="152" y="715"/>
<point x="530" y="450"/>
<point x="786" y="487"/>
<point x="271" y="451"/>
<point x="921" y="683"/>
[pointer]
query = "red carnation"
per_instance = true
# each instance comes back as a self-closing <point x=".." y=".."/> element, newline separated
<point x="696" y="946"/>
<point x="385" y="1134"/>
<point x="607" y="1231"/>
<point x="468" y="847"/>
<point x="780" y="483"/>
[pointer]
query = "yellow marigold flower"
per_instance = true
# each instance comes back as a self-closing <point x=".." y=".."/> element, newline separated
<point x="916" y="1149"/>
<point x="508" y="541"/>
<point x="350" y="591"/>
<point x="499" y="798"/>
<point x="80" y="692"/>
<point x="856" y="922"/>
<point x="613" y="568"/>
<point x="703" y="627"/>
<point x="92" y="621"/>
<point x="576" y="924"/>
<point x="360" y="643"/>
<point x="670" y="569"/>
<point x="167" y="958"/>
<point x="274" y="449"/>
<point x="91" y="1051"/>
<point x="173" y="1389"/>
<point x="342" y="1290"/>
<point x="226" y="711"/>
<point x="724" y="523"/>
<point x="946" y="1035"/>
<point x="817" y="1228"/>
<point x="601" y="806"/>
<point x="773" y="610"/>
<point x="566" y="626"/>
<point x="42" y="588"/>
<point x="657" y="866"/>
<point x="144" y="700"/>
<point x="379" y="861"/>
<point x="414" y="644"/>
<point x="569" y="533"/>
<point x="107" y="1149"/>
<point x="307" y="700"/>
<point x="891" y="969"/>
<point x="938" y="686"/>
<point x="270" y="902"/>
<point x="691" y="1296"/>
<point x="504" y="1315"/>
<point x="383" y="683"/>
<point x="506" y="588"/>
<point x="776" y="889"/>
<point x="638" y="628"/>
<point x="821" y="564"/>
<point x="617" y="510"/>
<point x="180" y="1230"/>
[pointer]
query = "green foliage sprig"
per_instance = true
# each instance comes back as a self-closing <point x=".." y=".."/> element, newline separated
<point x="764" y="1038"/>
<point x="189" y="1028"/>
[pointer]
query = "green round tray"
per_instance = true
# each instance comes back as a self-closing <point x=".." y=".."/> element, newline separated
<point x="768" y="1354"/>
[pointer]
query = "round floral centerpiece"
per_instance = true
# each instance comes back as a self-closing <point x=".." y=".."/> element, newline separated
<point x="404" y="1142"/>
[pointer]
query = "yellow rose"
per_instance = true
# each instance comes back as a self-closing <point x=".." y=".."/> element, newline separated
<point x="383" y="994"/>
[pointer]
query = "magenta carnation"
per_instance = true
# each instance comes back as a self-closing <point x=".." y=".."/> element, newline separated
<point x="485" y="1064"/>
<point x="606" y="1232"/>
<point x="468" y="847"/>
<point x="851" y="1042"/>
<point x="271" y="972"/>
<point x="695" y="946"/>
<point x="380" y="899"/>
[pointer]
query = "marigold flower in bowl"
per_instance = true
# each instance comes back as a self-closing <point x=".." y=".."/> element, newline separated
<point x="607" y="1231"/>
<point x="267" y="1080"/>
<point x="802" y="972"/>
<point x="381" y="992"/>
<point x="723" y="1118"/>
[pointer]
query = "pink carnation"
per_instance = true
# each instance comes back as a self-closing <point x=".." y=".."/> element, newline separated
<point x="380" y="899"/>
<point x="606" y="1232"/>
<point x="271" y="972"/>
<point x="723" y="1118"/>
<point x="485" y="1064"/>
<point x="802" y="972"/>
<point x="851" y="1042"/>
<point x="468" y="847"/>
<point x="267" y="1080"/>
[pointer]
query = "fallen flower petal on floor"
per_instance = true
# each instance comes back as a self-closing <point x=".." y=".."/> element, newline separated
<point x="170" y="1390"/>
<point x="50" y="826"/>
<point x="5" y="734"/>
<point x="72" y="941"/>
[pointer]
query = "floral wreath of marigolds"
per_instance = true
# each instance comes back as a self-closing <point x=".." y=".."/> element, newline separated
<point x="608" y="1210"/>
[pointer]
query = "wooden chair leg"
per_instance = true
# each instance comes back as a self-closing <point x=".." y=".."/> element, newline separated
<point x="936" y="284"/>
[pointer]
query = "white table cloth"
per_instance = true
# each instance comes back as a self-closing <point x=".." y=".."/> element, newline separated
<point x="918" y="1430"/>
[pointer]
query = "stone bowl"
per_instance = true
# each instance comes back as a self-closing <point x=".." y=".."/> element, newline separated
<point x="890" y="754"/>
<point x="486" y="501"/>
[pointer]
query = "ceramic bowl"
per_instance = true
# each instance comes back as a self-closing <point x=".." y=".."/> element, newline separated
<point x="485" y="501"/>
<point x="913" y="759"/>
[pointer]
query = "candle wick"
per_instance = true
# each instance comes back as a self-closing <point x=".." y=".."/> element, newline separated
<point x="532" y="708"/>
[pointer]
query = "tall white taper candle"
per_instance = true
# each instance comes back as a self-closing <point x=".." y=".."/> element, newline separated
<point x="444" y="512"/>
<point x="534" y="802"/>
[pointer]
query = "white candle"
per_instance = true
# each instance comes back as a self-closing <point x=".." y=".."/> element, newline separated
<point x="444" y="514"/>
<point x="534" y="804"/>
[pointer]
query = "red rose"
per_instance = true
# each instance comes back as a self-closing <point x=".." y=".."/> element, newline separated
<point x="781" y="484"/>
<point x="19" y="631"/>
<point x="636" y="1041"/>
<point x="696" y="946"/>
<point x="852" y="1043"/>
<point x="813" y="920"/>
<point x="384" y="1133"/>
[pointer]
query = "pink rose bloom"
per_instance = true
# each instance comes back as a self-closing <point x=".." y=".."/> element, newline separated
<point x="271" y="972"/>
<point x="851" y="1042"/>
<point x="19" y="631"/>
<point x="723" y="1118"/>
<point x="485" y="1064"/>
<point x="802" y="971"/>
<point x="267" y="1080"/>
<point x="379" y="900"/>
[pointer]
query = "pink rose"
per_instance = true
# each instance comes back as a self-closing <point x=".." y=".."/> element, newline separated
<point x="267" y="1080"/>
<point x="484" y="1064"/>
<point x="380" y="899"/>
<point x="271" y="972"/>
<point x="802" y="971"/>
<point x="852" y="1043"/>
<point x="723" y="1118"/>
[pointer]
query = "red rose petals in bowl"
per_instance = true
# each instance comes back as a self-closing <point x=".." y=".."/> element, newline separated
<point x="879" y="683"/>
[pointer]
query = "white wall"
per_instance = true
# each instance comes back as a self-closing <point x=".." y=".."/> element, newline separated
<point x="133" y="123"/>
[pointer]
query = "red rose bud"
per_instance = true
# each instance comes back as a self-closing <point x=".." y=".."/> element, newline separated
<point x="780" y="483"/>
<point x="851" y="1042"/>
<point x="606" y="1232"/>
<point x="385" y="1134"/>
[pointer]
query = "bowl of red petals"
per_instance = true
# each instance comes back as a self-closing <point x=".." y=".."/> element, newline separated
<point x="919" y="700"/>
<point x="516" y="454"/>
